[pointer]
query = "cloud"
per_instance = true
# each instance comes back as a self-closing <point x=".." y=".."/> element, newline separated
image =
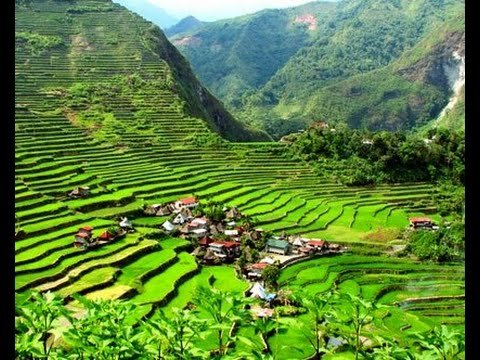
<point x="220" y="9"/>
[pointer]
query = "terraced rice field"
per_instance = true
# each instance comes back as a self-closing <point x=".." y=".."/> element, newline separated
<point x="423" y="295"/>
<point x="157" y="160"/>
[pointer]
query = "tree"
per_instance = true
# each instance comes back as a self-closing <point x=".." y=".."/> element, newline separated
<point x="172" y="336"/>
<point x="270" y="275"/>
<point x="315" y="329"/>
<point x="36" y="325"/>
<point x="224" y="309"/>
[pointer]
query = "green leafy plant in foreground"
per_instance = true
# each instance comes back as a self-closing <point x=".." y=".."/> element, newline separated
<point x="36" y="325"/>
<point x="171" y="337"/>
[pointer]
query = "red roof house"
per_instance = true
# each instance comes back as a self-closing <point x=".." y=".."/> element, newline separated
<point x="188" y="201"/>
<point x="259" y="266"/>
<point x="317" y="243"/>
<point x="105" y="236"/>
<point x="421" y="222"/>
<point x="205" y="241"/>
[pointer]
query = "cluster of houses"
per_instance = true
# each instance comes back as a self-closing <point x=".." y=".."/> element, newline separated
<point x="84" y="238"/>
<point x="422" y="223"/>
<point x="176" y="207"/>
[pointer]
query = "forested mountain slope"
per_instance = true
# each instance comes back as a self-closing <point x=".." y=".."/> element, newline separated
<point x="234" y="55"/>
<point x="349" y="39"/>
<point x="190" y="23"/>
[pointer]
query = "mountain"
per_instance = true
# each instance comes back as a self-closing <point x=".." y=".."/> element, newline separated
<point x="237" y="55"/>
<point x="150" y="12"/>
<point x="94" y="53"/>
<point x="190" y="23"/>
<point x="352" y="38"/>
<point x="407" y="93"/>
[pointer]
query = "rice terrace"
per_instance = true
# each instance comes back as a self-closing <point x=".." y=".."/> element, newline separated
<point x="151" y="224"/>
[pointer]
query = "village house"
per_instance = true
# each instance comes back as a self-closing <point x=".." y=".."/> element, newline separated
<point x="180" y="219"/>
<point x="297" y="243"/>
<point x="259" y="292"/>
<point x="205" y="241"/>
<point x="106" y="236"/>
<point x="318" y="245"/>
<point x="82" y="240"/>
<point x="188" y="203"/>
<point x="168" y="226"/>
<point x="199" y="223"/>
<point x="278" y="246"/>
<point x="255" y="270"/>
<point x="225" y="249"/>
<point x="78" y="192"/>
<point x="126" y="225"/>
<point x="197" y="233"/>
<point x="151" y="209"/>
<point x="233" y="214"/>
<point x="421" y="222"/>
<point x="165" y="210"/>
<point x="231" y="232"/>
<point x="87" y="229"/>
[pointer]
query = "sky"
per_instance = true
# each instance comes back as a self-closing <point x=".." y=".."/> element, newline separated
<point x="210" y="10"/>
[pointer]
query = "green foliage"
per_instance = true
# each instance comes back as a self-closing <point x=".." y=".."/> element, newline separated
<point x="443" y="245"/>
<point x="36" y="325"/>
<point x="270" y="275"/>
<point x="361" y="157"/>
<point x="223" y="310"/>
<point x="36" y="43"/>
<point x="211" y="209"/>
<point x="356" y="313"/>
<point x="318" y="310"/>
<point x="173" y="336"/>
<point x="442" y="343"/>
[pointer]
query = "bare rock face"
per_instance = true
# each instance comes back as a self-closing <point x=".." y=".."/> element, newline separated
<point x="309" y="19"/>
<point x="442" y="68"/>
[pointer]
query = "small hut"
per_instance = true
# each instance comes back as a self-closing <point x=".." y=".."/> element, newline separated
<point x="233" y="213"/>
<point x="168" y="226"/>
<point x="126" y="225"/>
<point x="258" y="291"/>
<point x="79" y="192"/>
<point x="180" y="219"/>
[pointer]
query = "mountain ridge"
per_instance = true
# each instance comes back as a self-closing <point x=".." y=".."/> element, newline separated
<point x="355" y="37"/>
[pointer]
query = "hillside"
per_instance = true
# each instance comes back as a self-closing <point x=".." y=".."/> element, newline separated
<point x="85" y="51"/>
<point x="352" y="38"/>
<point x="408" y="93"/>
<point x="240" y="54"/>
<point x="188" y="24"/>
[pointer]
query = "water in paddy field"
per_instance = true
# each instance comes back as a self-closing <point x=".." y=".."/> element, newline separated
<point x="455" y="72"/>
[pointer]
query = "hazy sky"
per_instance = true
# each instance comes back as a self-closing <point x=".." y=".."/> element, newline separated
<point x="209" y="10"/>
